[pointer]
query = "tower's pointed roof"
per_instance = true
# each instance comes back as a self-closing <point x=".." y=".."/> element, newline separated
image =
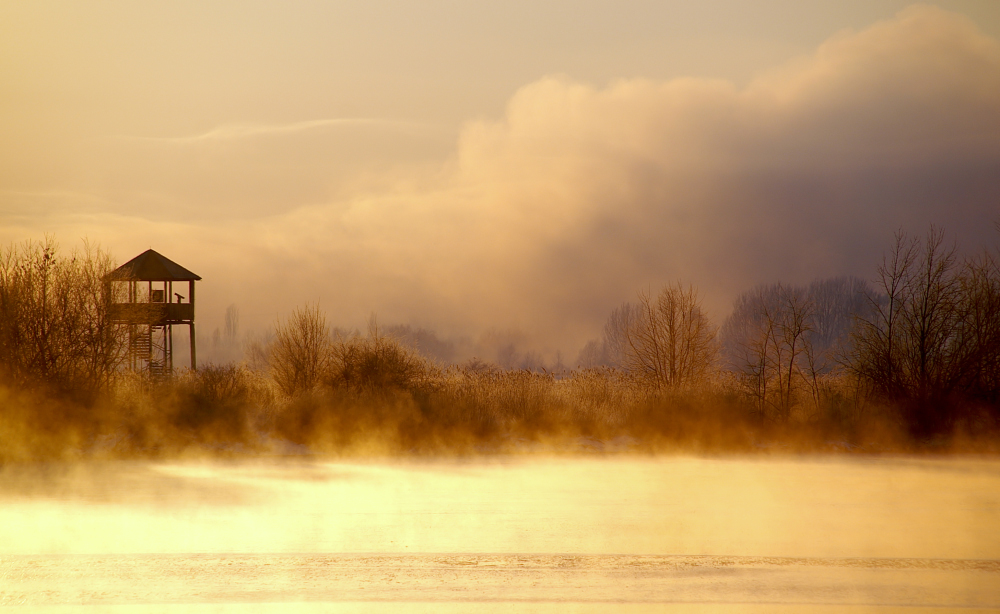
<point x="153" y="266"/>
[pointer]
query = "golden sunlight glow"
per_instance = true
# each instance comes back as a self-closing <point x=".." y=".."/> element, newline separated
<point x="523" y="306"/>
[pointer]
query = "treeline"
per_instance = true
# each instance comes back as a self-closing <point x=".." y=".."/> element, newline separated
<point x="909" y="361"/>
<point x="919" y="348"/>
<point x="922" y="343"/>
<point x="930" y="343"/>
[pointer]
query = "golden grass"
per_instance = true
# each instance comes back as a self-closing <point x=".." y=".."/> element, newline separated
<point x="425" y="409"/>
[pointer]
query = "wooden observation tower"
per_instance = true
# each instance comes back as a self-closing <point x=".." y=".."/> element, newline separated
<point x="149" y="306"/>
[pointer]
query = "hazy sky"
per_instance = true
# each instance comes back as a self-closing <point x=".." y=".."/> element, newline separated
<point x="527" y="165"/>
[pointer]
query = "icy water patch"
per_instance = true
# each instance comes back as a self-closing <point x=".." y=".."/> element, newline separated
<point x="489" y="578"/>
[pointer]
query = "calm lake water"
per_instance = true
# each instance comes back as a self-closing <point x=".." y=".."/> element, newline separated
<point x="515" y="534"/>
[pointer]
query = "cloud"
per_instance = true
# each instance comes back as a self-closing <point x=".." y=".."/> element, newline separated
<point x="580" y="195"/>
<point x="245" y="131"/>
<point x="258" y="170"/>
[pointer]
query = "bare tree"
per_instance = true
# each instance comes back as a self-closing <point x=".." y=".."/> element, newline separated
<point x="875" y="354"/>
<point x="232" y="327"/>
<point x="102" y="342"/>
<point x="767" y="342"/>
<point x="746" y="338"/>
<point x="931" y="319"/>
<point x="836" y="302"/>
<point x="300" y="352"/>
<point x="615" y="340"/>
<point x="978" y="356"/>
<point x="666" y="338"/>
<point x="55" y="329"/>
<point x="593" y="354"/>
<point x="790" y="343"/>
<point x="909" y="351"/>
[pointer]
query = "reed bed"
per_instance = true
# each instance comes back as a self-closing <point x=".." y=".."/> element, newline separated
<point x="472" y="409"/>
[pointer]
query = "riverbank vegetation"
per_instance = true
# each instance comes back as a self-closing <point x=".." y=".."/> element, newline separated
<point x="908" y="362"/>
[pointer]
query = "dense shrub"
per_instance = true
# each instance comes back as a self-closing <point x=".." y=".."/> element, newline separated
<point x="376" y="364"/>
<point x="217" y="402"/>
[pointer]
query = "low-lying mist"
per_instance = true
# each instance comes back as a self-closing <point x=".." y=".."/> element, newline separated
<point x="908" y="362"/>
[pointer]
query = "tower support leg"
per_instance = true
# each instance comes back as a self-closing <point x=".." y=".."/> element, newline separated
<point x="194" y="351"/>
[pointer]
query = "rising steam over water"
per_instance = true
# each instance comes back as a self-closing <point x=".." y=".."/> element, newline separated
<point x="616" y="530"/>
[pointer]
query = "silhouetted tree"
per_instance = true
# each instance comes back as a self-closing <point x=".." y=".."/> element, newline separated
<point x="931" y="345"/>
<point x="300" y="352"/>
<point x="917" y="346"/>
<point x="667" y="338"/>
<point x="55" y="328"/>
<point x="784" y="340"/>
<point x="979" y="337"/>
<point x="615" y="346"/>
<point x="767" y="342"/>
